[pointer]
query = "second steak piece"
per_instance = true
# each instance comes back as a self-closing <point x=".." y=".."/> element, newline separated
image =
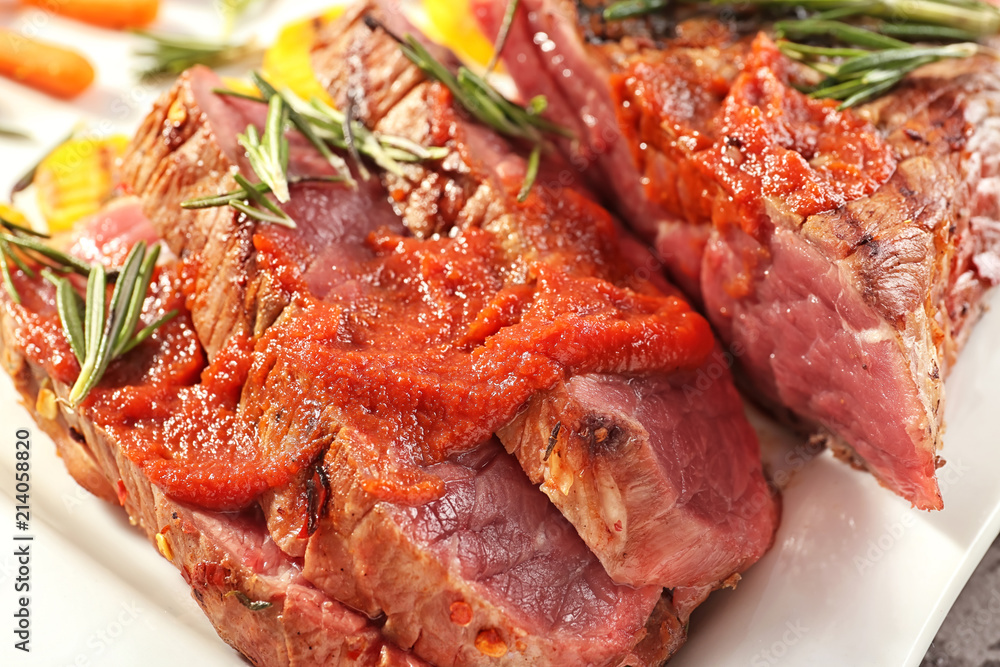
<point x="842" y="255"/>
<point x="675" y="496"/>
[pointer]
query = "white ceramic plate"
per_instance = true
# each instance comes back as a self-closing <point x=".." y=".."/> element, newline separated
<point x="855" y="577"/>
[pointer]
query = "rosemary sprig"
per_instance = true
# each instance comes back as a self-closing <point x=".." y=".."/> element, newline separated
<point x="268" y="157"/>
<point x="531" y="173"/>
<point x="859" y="75"/>
<point x="838" y="30"/>
<point x="328" y="128"/>
<point x="9" y="132"/>
<point x="20" y="245"/>
<point x="171" y="54"/>
<point x="482" y="100"/>
<point x="627" y="9"/>
<point x="268" y="154"/>
<point x="98" y="335"/>
<point x="244" y="599"/>
<point x="972" y="16"/>
<point x="501" y="41"/>
<point x="868" y="59"/>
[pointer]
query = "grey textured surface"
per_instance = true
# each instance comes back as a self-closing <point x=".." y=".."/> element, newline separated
<point x="970" y="635"/>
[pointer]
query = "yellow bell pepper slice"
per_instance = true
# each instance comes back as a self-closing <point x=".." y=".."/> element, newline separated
<point x="76" y="179"/>
<point x="287" y="62"/>
<point x="451" y="23"/>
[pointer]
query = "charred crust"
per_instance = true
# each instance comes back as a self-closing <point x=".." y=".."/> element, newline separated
<point x="553" y="439"/>
<point x="914" y="135"/>
<point x="602" y="433"/>
<point x="76" y="436"/>
<point x="313" y="505"/>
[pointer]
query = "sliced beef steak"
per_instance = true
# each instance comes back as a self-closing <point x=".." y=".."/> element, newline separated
<point x="488" y="569"/>
<point x="228" y="559"/>
<point x="185" y="149"/>
<point x="358" y="362"/>
<point x="490" y="572"/>
<point x="603" y="446"/>
<point x="847" y="294"/>
<point x="634" y="532"/>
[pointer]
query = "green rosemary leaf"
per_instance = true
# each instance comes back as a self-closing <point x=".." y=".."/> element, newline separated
<point x="9" y="252"/>
<point x="100" y="354"/>
<point x="919" y="32"/>
<point x="901" y="58"/>
<point x="531" y="174"/>
<point x="172" y="54"/>
<point x="796" y="50"/>
<point x="93" y="334"/>
<point x="843" y="32"/>
<point x="479" y="98"/>
<point x="627" y="9"/>
<point x="263" y="216"/>
<point x="106" y="333"/>
<point x="325" y="128"/>
<point x="252" y="605"/>
<point x="303" y="126"/>
<point x="14" y="227"/>
<point x="57" y="256"/>
<point x="8" y="281"/>
<point x="488" y="110"/>
<point x="501" y="41"/>
<point x="261" y="200"/>
<point x="136" y="297"/>
<point x="843" y="90"/>
<point x="872" y="91"/>
<point x="69" y="305"/>
<point x="224" y="199"/>
<point x="147" y="331"/>
<point x="411" y="151"/>
<point x="973" y="16"/>
<point x="9" y="132"/>
<point x="352" y="148"/>
<point x="228" y="92"/>
<point x="268" y="154"/>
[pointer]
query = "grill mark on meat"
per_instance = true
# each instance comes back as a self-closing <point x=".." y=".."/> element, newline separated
<point x="601" y="432"/>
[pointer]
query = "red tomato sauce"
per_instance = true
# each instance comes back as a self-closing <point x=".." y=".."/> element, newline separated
<point x="743" y="152"/>
<point x="438" y="343"/>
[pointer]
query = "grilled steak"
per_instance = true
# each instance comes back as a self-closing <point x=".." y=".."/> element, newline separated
<point x="841" y="255"/>
<point x="491" y="546"/>
<point x="607" y="492"/>
<point x="342" y="381"/>
<point x="225" y="557"/>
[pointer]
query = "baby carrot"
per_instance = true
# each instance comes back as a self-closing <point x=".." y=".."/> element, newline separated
<point x="49" y="68"/>
<point x="104" y="13"/>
